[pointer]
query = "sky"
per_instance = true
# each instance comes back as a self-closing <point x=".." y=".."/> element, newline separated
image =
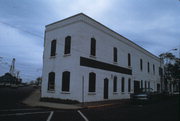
<point x="152" y="24"/>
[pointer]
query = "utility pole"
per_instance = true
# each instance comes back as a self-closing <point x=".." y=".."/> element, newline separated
<point x="12" y="67"/>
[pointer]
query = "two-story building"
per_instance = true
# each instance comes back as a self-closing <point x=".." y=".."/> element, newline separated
<point x="86" y="61"/>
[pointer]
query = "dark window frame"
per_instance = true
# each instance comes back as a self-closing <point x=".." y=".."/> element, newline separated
<point x="51" y="81"/>
<point x="65" y="81"/>
<point x="129" y="59"/>
<point x="53" y="48"/>
<point x="115" y="53"/>
<point x="153" y="69"/>
<point x="93" y="47"/>
<point x="129" y="85"/>
<point x="67" y="45"/>
<point x="115" y="84"/>
<point x="148" y="67"/>
<point x="92" y="82"/>
<point x="141" y="64"/>
<point x="122" y="84"/>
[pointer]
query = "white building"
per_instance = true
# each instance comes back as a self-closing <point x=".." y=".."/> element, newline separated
<point x="86" y="61"/>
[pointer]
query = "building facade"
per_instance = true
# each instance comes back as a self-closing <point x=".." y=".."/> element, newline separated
<point x="84" y="60"/>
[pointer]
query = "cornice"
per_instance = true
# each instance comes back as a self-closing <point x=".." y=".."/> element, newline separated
<point x="86" y="19"/>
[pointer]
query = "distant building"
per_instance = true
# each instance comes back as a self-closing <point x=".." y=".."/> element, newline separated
<point x="84" y="60"/>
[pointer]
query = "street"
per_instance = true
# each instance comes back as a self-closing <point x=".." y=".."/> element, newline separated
<point x="11" y="109"/>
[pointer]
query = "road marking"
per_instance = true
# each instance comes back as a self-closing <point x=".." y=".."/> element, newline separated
<point x="20" y="109"/>
<point x="50" y="116"/>
<point x="83" y="115"/>
<point x="19" y="114"/>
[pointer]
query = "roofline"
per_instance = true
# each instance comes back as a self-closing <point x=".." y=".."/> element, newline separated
<point x="106" y="28"/>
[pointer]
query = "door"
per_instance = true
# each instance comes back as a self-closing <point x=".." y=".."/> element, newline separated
<point x="106" y="88"/>
<point x="136" y="86"/>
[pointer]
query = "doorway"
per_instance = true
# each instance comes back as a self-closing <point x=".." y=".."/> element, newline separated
<point x="136" y="86"/>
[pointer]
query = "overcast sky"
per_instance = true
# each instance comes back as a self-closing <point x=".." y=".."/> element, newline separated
<point x="152" y="24"/>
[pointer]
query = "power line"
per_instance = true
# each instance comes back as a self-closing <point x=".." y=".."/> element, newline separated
<point x="21" y="30"/>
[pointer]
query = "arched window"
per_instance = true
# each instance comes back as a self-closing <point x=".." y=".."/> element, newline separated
<point x="148" y="67"/>
<point x="153" y="69"/>
<point x="141" y="83"/>
<point x="122" y="84"/>
<point x="51" y="81"/>
<point x="115" y="84"/>
<point x="67" y="46"/>
<point x="129" y="85"/>
<point x="129" y="59"/>
<point x="93" y="47"/>
<point x="92" y="82"/>
<point x="141" y="64"/>
<point x="115" y="54"/>
<point x="65" y="81"/>
<point x="53" y="47"/>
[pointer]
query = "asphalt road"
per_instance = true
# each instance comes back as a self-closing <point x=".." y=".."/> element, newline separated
<point x="11" y="109"/>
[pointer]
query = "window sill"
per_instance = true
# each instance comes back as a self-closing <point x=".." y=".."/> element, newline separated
<point x="115" y="63"/>
<point x="51" y="91"/>
<point x="64" y="92"/>
<point x="91" y="93"/>
<point x="52" y="57"/>
<point x="115" y="93"/>
<point x="92" y="56"/>
<point x="65" y="55"/>
<point x="122" y="92"/>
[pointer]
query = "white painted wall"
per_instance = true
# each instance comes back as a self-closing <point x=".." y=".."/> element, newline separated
<point x="81" y="33"/>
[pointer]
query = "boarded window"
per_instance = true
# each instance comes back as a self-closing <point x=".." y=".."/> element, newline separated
<point x="53" y="48"/>
<point x="93" y="47"/>
<point x="115" y="54"/>
<point x="122" y="84"/>
<point x="115" y="84"/>
<point x="141" y="64"/>
<point x="92" y="82"/>
<point x="129" y="59"/>
<point x="67" y="46"/>
<point x="51" y="81"/>
<point x="129" y="85"/>
<point x="65" y="81"/>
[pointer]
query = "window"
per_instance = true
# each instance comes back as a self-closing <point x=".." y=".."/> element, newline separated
<point x="53" y="48"/>
<point x="122" y="84"/>
<point x="51" y="81"/>
<point x="141" y="83"/>
<point x="65" y="81"/>
<point x="141" y="64"/>
<point x="129" y="85"/>
<point x="115" y="54"/>
<point x="148" y="67"/>
<point x="153" y="69"/>
<point x="129" y="59"/>
<point x="92" y="82"/>
<point x="115" y="84"/>
<point x="145" y="85"/>
<point x="148" y="84"/>
<point x="93" y="47"/>
<point x="67" y="46"/>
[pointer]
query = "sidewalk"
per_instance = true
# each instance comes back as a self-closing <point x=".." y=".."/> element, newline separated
<point x="34" y="101"/>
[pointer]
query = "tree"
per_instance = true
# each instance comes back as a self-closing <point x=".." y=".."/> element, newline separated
<point x="38" y="81"/>
<point x="171" y="69"/>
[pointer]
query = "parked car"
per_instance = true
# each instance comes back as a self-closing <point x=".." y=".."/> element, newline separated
<point x="144" y="94"/>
